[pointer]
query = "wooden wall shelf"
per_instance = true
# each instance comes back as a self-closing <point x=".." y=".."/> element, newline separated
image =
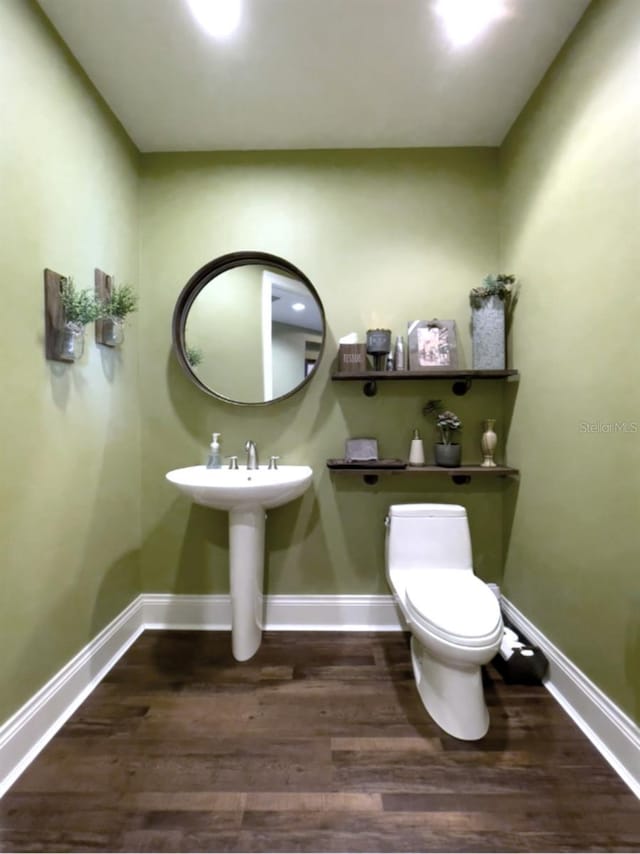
<point x="461" y="379"/>
<point x="459" y="475"/>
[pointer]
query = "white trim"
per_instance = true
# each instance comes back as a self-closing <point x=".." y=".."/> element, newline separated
<point x="24" y="735"/>
<point x="175" y="611"/>
<point x="606" y="726"/>
<point x="332" y="613"/>
<point x="282" y="613"/>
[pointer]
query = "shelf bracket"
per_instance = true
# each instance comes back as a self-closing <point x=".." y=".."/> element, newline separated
<point x="461" y="387"/>
<point x="370" y="388"/>
<point x="460" y="479"/>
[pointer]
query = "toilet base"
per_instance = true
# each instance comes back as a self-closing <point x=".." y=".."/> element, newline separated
<point x="453" y="695"/>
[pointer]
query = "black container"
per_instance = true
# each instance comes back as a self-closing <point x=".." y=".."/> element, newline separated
<point x="526" y="666"/>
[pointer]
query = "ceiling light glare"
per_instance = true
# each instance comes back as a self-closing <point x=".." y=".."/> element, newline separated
<point x="298" y="306"/>
<point x="465" y="20"/>
<point x="219" y="18"/>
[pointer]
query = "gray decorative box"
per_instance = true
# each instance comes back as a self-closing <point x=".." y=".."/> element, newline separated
<point x="361" y="449"/>
<point x="488" y="334"/>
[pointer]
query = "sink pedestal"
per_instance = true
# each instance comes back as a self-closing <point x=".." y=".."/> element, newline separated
<point x="246" y="569"/>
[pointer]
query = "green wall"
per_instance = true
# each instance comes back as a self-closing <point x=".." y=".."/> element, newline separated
<point x="69" y="490"/>
<point x="385" y="237"/>
<point x="87" y="518"/>
<point x="570" y="218"/>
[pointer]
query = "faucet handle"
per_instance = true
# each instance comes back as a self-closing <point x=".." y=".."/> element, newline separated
<point x="233" y="462"/>
<point x="273" y="462"/>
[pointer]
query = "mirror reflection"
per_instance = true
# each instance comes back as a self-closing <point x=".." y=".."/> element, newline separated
<point x="252" y="332"/>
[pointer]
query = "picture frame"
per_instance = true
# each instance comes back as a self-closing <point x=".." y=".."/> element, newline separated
<point x="433" y="344"/>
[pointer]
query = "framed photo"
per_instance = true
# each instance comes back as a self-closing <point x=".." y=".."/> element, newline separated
<point x="432" y="344"/>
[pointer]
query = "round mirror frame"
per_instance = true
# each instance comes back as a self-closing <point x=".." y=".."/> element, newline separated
<point x="203" y="277"/>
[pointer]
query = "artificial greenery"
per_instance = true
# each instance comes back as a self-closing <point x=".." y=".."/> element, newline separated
<point x="494" y="285"/>
<point x="194" y="356"/>
<point x="80" y="307"/>
<point x="122" y="301"/>
<point x="446" y="421"/>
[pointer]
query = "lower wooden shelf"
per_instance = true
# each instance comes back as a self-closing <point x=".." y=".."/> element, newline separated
<point x="459" y="474"/>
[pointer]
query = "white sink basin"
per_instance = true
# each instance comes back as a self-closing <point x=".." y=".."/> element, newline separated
<point x="242" y="489"/>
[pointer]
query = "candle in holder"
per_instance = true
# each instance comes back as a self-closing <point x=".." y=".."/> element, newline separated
<point x="378" y="346"/>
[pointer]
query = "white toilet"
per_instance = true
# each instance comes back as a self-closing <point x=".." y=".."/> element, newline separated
<point x="453" y="616"/>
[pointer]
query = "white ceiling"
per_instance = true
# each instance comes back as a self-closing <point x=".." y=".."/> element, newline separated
<point x="311" y="73"/>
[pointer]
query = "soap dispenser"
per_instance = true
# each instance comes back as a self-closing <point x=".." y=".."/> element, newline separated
<point x="215" y="457"/>
<point x="416" y="453"/>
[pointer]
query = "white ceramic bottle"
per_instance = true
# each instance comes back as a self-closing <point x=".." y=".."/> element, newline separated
<point x="416" y="452"/>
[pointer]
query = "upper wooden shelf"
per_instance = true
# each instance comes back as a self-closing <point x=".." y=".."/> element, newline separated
<point x="462" y="378"/>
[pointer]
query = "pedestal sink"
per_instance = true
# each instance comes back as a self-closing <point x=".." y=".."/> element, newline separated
<point x="245" y="494"/>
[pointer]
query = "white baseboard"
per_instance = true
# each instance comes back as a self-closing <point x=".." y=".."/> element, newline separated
<point x="606" y="726"/>
<point x="282" y="613"/>
<point x="175" y="611"/>
<point x="24" y="735"/>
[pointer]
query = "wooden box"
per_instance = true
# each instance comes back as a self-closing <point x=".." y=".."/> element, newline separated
<point x="352" y="358"/>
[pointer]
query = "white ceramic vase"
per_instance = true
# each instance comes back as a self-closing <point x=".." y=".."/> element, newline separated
<point x="488" y="443"/>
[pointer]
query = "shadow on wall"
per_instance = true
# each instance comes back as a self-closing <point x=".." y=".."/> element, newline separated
<point x="512" y="487"/>
<point x="195" y="409"/>
<point x="63" y="378"/>
<point x="631" y="659"/>
<point x="203" y="562"/>
<point x="288" y="529"/>
<point x="51" y="644"/>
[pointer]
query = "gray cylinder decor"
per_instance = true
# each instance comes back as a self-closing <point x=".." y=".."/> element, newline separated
<point x="488" y="334"/>
<point x="447" y="455"/>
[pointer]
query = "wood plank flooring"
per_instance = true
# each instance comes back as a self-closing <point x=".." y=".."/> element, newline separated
<point x="319" y="743"/>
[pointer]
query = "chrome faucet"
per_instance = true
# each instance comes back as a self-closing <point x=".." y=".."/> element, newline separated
<point x="252" y="454"/>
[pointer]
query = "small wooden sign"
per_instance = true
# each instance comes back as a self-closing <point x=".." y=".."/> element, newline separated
<point x="53" y="315"/>
<point x="352" y="357"/>
<point x="103" y="285"/>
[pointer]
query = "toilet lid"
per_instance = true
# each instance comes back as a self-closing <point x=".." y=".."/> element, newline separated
<point x="455" y="606"/>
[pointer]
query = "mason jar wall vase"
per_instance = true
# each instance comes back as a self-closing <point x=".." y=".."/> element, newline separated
<point x="488" y="334"/>
<point x="488" y="443"/>
<point x="112" y="331"/>
<point x="70" y="341"/>
<point x="449" y="455"/>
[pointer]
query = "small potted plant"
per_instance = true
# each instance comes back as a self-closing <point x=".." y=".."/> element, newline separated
<point x="80" y="309"/>
<point x="122" y="301"/>
<point x="447" y="453"/>
<point x="488" y="306"/>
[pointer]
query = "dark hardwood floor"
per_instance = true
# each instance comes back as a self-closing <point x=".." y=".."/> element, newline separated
<point x="319" y="743"/>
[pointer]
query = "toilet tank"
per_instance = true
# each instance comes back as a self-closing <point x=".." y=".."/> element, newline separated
<point x="428" y="536"/>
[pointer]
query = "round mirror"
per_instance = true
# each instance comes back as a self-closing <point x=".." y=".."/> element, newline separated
<point x="249" y="328"/>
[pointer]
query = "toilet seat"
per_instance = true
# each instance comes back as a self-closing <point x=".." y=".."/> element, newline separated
<point x="455" y="606"/>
